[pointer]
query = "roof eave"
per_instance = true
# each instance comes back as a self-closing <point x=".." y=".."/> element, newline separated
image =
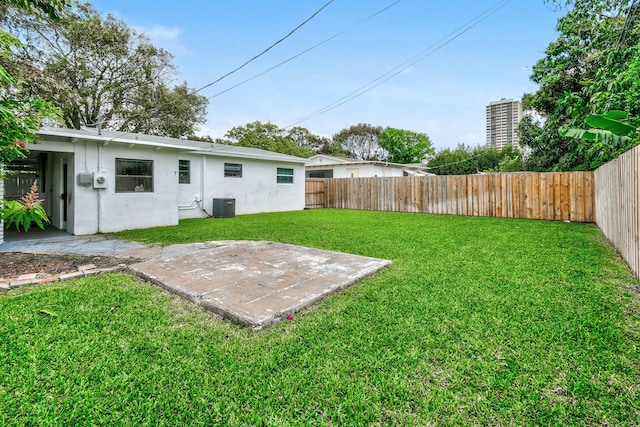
<point x="220" y="151"/>
<point x="106" y="140"/>
<point x="224" y="153"/>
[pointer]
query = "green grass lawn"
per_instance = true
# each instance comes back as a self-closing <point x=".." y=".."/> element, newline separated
<point x="479" y="321"/>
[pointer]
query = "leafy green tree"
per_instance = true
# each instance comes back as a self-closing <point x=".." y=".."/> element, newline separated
<point x="593" y="67"/>
<point x="104" y="72"/>
<point x="334" y="149"/>
<point x="361" y="142"/>
<point x="451" y="162"/>
<point x="405" y="146"/>
<point x="169" y="111"/>
<point x="21" y="114"/>
<point x="51" y="8"/>
<point x="265" y="136"/>
<point x="465" y="160"/>
<point x="302" y="137"/>
<point x="204" y="138"/>
<point x="509" y="159"/>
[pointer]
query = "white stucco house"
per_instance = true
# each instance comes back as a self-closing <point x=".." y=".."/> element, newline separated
<point x="324" y="166"/>
<point x="106" y="181"/>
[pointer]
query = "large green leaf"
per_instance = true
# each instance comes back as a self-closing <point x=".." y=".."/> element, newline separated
<point x="615" y="114"/>
<point x="5" y="77"/>
<point x="609" y="123"/>
<point x="578" y="134"/>
<point x="596" y="135"/>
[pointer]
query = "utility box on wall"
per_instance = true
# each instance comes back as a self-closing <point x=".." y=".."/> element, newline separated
<point x="99" y="180"/>
<point x="224" y="208"/>
<point x="85" y="179"/>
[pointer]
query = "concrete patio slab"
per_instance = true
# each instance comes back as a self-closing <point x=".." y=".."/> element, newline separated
<point x="254" y="283"/>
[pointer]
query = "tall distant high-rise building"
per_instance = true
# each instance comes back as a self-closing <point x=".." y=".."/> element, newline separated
<point x="503" y="118"/>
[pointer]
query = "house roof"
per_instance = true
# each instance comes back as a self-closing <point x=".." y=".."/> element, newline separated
<point x="335" y="160"/>
<point x="161" y="142"/>
<point x="339" y="161"/>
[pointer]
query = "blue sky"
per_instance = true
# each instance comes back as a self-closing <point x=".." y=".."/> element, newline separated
<point x="444" y="95"/>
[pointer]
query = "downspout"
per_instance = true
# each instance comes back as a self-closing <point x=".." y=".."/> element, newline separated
<point x="203" y="171"/>
<point x="100" y="120"/>
<point x="99" y="189"/>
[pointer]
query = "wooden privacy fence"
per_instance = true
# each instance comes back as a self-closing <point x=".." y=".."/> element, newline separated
<point x="617" y="211"/>
<point x="559" y="196"/>
<point x="609" y="196"/>
<point x="314" y="193"/>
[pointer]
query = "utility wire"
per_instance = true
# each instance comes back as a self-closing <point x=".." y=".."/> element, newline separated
<point x="124" y="133"/>
<point x="628" y="22"/>
<point x="307" y="50"/>
<point x="408" y="63"/>
<point x="267" y="49"/>
<point x="281" y="63"/>
<point x="451" y="164"/>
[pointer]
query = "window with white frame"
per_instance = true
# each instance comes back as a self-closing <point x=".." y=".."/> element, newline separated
<point x="184" y="171"/>
<point x="284" y="176"/>
<point x="134" y="175"/>
<point x="233" y="170"/>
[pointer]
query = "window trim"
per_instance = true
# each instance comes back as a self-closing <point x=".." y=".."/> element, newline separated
<point x="149" y="177"/>
<point x="281" y="175"/>
<point x="230" y="173"/>
<point x="184" y="177"/>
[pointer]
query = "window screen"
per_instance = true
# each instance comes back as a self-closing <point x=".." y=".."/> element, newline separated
<point x="134" y="175"/>
<point x="284" y="176"/>
<point x="184" y="171"/>
<point x="233" y="170"/>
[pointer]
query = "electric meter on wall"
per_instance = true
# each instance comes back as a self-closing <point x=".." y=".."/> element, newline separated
<point x="99" y="180"/>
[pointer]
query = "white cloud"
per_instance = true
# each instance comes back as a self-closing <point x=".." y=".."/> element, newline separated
<point x="212" y="131"/>
<point x="162" y="33"/>
<point x="166" y="37"/>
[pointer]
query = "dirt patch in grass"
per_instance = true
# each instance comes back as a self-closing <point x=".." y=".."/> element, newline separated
<point x="13" y="264"/>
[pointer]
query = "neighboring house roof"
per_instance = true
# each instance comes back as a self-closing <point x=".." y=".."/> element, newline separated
<point x="161" y="142"/>
<point x="322" y="161"/>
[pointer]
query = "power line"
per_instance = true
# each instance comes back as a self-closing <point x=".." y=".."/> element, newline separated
<point x="283" y="62"/>
<point x="307" y="50"/>
<point x="267" y="49"/>
<point x="157" y="108"/>
<point x="408" y="63"/>
<point x="628" y="22"/>
<point x="451" y="164"/>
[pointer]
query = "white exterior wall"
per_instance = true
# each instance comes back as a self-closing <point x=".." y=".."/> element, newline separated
<point x="93" y="210"/>
<point x="255" y="192"/>
<point x="131" y="210"/>
<point x="187" y="193"/>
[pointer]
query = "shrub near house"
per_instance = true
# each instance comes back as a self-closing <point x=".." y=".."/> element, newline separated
<point x="25" y="211"/>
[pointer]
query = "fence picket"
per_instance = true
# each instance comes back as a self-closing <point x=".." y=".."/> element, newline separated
<point x="547" y="196"/>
